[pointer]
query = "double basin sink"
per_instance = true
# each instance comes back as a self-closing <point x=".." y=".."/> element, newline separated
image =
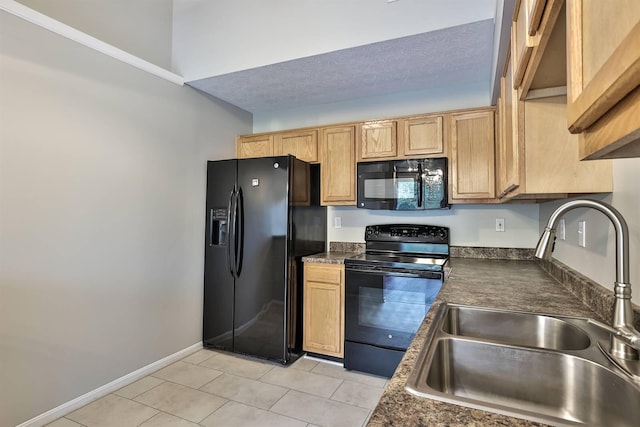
<point x="543" y="368"/>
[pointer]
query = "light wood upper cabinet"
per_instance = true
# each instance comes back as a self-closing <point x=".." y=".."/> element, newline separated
<point x="522" y="42"/>
<point x="604" y="76"/>
<point x="537" y="158"/>
<point x="323" y="307"/>
<point x="552" y="167"/>
<point x="507" y="144"/>
<point x="303" y="144"/>
<point x="301" y="194"/>
<point x="254" y="146"/>
<point x="535" y="9"/>
<point x="538" y="49"/>
<point x="378" y="140"/>
<point x="338" y="171"/>
<point x="472" y="155"/>
<point x="422" y="136"/>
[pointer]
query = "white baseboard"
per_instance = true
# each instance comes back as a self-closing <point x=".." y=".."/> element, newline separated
<point x="114" y="385"/>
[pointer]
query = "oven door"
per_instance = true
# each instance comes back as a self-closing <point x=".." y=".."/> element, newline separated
<point x="384" y="307"/>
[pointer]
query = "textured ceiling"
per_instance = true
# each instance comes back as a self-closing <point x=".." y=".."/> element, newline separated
<point x="453" y="56"/>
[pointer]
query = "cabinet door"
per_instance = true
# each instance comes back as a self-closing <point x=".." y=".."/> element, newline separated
<point x="338" y="185"/>
<point x="422" y="136"/>
<point x="508" y="164"/>
<point x="522" y="43"/>
<point x="379" y="140"/>
<point x="254" y="146"/>
<point x="535" y="8"/>
<point x="472" y="155"/>
<point x="323" y="306"/>
<point x="538" y="46"/>
<point x="604" y="60"/>
<point x="302" y="144"/>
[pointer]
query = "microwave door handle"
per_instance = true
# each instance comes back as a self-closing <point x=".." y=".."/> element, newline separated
<point x="420" y="185"/>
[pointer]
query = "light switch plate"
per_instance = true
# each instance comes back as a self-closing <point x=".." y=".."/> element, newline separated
<point x="582" y="233"/>
<point x="337" y="222"/>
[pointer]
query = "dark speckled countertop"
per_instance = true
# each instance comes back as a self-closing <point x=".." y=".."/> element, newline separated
<point x="506" y="284"/>
<point x="333" y="257"/>
<point x="489" y="278"/>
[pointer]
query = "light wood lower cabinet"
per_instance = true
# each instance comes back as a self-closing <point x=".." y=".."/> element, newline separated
<point x="338" y="171"/>
<point x="323" y="307"/>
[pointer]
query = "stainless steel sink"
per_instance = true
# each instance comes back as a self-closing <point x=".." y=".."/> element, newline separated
<point x="523" y="329"/>
<point x="557" y="375"/>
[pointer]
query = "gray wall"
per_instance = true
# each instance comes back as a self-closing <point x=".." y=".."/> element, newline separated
<point x="140" y="27"/>
<point x="102" y="188"/>
<point x="597" y="259"/>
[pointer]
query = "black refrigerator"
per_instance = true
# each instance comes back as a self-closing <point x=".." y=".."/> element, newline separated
<point x="263" y="215"/>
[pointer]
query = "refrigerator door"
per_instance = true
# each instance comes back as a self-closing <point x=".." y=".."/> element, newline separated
<point x="217" y="328"/>
<point x="261" y="285"/>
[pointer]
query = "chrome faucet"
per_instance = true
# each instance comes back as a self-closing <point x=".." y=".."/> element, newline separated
<point x="625" y="339"/>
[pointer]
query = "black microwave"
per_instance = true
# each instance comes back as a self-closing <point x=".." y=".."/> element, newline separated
<point x="414" y="184"/>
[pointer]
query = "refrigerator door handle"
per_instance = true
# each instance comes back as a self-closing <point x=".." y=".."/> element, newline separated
<point x="240" y="231"/>
<point x="231" y="223"/>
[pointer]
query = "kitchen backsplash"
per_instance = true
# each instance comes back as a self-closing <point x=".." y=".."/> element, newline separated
<point x="592" y="294"/>
<point x="456" y="251"/>
<point x="346" y="247"/>
<point x="491" y="253"/>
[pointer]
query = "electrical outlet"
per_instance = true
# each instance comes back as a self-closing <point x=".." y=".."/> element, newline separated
<point x="562" y="230"/>
<point x="582" y="233"/>
<point x="337" y="222"/>
<point x="499" y="224"/>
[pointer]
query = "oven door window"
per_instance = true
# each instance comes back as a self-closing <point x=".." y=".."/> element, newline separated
<point x="386" y="309"/>
<point x="399" y="192"/>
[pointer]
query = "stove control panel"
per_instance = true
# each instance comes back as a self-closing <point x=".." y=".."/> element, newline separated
<point x="407" y="233"/>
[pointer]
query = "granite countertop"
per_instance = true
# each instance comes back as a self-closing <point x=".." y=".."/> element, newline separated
<point x="506" y="284"/>
<point x="333" y="257"/>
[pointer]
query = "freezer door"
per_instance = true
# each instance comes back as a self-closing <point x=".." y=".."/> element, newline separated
<point x="261" y="285"/>
<point x="219" y="252"/>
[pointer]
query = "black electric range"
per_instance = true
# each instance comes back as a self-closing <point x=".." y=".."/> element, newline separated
<point x="388" y="291"/>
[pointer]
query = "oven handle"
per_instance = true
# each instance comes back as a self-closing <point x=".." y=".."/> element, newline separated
<point x="420" y="185"/>
<point x="394" y="272"/>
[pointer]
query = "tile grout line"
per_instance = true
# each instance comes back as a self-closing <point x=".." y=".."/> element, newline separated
<point x="369" y="411"/>
<point x="287" y="416"/>
<point x="160" y="410"/>
<point x="150" y="416"/>
<point x="340" y="382"/>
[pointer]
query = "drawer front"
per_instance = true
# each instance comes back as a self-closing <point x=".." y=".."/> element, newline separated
<point x="324" y="274"/>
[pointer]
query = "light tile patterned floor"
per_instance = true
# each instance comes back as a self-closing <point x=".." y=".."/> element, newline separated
<point x="211" y="389"/>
